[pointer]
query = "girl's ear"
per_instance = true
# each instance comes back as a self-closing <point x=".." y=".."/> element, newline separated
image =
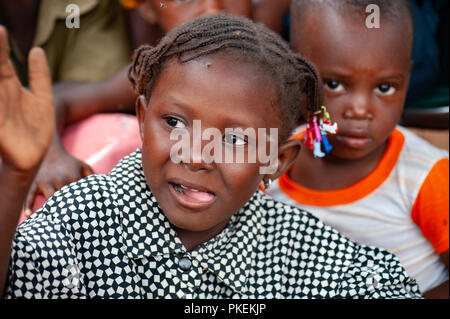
<point x="286" y="157"/>
<point x="141" y="111"/>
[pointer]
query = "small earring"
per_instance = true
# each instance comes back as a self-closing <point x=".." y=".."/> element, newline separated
<point x="267" y="184"/>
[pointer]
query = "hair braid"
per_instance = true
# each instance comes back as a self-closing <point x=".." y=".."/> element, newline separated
<point x="294" y="76"/>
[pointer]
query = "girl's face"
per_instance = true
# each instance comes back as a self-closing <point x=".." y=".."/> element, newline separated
<point x="222" y="93"/>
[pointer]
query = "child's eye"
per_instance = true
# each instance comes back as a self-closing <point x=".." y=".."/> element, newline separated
<point x="334" y="86"/>
<point x="235" y="140"/>
<point x="386" y="89"/>
<point x="173" y="122"/>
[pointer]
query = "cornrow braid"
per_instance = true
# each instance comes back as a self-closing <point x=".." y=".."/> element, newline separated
<point x="294" y="76"/>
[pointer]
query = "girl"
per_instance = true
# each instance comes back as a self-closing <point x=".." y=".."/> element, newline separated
<point x="155" y="228"/>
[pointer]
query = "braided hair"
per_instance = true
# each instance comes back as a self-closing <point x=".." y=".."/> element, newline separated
<point x="294" y="76"/>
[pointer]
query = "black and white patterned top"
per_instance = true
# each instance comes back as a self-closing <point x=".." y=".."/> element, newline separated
<point x="106" y="237"/>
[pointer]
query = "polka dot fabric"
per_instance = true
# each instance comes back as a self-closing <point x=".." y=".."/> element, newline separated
<point x="106" y="237"/>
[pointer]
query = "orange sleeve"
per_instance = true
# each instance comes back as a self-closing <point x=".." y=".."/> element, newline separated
<point x="430" y="210"/>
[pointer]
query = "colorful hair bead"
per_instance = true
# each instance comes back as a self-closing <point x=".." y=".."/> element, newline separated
<point x="308" y="139"/>
<point x="317" y="130"/>
<point x="325" y="113"/>
<point x="326" y="144"/>
<point x="317" y="151"/>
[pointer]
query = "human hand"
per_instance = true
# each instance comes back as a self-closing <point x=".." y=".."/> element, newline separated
<point x="58" y="169"/>
<point x="26" y="116"/>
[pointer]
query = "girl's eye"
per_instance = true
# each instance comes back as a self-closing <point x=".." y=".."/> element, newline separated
<point x="386" y="89"/>
<point x="175" y="123"/>
<point x="334" y="86"/>
<point x="234" y="140"/>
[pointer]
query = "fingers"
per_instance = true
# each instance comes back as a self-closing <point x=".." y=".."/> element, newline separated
<point x="39" y="73"/>
<point x="59" y="183"/>
<point x="46" y="189"/>
<point x="6" y="67"/>
<point x="86" y="170"/>
<point x="29" y="202"/>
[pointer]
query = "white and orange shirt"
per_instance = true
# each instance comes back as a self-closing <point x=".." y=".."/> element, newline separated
<point x="402" y="206"/>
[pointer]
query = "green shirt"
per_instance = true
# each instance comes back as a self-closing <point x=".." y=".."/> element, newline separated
<point x="95" y="51"/>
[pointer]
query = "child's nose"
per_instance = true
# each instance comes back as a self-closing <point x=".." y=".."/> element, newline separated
<point x="359" y="107"/>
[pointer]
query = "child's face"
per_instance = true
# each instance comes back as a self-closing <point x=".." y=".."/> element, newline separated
<point x="365" y="74"/>
<point x="207" y="89"/>
<point x="170" y="13"/>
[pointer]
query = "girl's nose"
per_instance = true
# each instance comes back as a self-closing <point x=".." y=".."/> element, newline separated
<point x="196" y="160"/>
<point x="199" y="165"/>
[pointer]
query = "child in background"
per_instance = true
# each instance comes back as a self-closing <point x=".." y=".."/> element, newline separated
<point x="272" y="13"/>
<point x="94" y="51"/>
<point x="380" y="185"/>
<point x="156" y="228"/>
<point x="112" y="96"/>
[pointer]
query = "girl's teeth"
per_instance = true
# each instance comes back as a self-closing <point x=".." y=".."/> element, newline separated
<point x="195" y="195"/>
<point x="179" y="189"/>
<point x="191" y="189"/>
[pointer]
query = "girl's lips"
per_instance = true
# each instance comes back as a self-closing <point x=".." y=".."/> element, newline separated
<point x="356" y="142"/>
<point x="192" y="198"/>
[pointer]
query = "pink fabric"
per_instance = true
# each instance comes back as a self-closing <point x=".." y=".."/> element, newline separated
<point x="101" y="141"/>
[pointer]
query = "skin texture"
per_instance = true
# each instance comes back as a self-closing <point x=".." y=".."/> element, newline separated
<point x="115" y="95"/>
<point x="169" y="13"/>
<point x="187" y="92"/>
<point x="271" y="13"/>
<point x="26" y="128"/>
<point x="366" y="75"/>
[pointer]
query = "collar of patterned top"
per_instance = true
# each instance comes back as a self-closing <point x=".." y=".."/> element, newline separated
<point x="148" y="233"/>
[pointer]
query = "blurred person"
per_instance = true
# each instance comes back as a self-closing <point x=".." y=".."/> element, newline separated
<point x="274" y="14"/>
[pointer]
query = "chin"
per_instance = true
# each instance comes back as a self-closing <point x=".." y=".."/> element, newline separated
<point x="349" y="155"/>
<point x="186" y="220"/>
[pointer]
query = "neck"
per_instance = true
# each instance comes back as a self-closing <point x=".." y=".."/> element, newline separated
<point x="332" y="173"/>
<point x="193" y="239"/>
